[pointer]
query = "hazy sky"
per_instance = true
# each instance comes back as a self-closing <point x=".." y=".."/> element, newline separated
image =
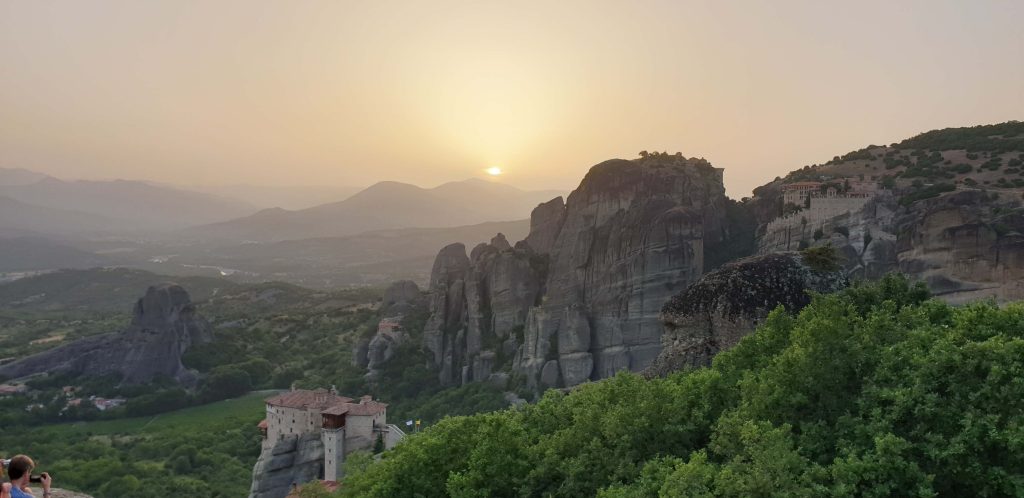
<point x="348" y="93"/>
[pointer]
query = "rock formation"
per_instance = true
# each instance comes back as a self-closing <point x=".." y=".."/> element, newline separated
<point x="579" y="298"/>
<point x="727" y="304"/>
<point x="965" y="245"/>
<point x="479" y="305"/>
<point x="163" y="327"/>
<point x="401" y="298"/>
<point x="293" y="460"/>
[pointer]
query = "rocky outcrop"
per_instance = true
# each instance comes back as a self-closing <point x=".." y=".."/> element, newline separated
<point x="382" y="347"/>
<point x="164" y="325"/>
<point x="292" y="460"/>
<point x="400" y="299"/>
<point x="579" y="298"/>
<point x="727" y="304"/>
<point x="478" y="306"/>
<point x="965" y="245"/>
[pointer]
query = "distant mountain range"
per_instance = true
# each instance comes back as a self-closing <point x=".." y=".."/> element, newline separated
<point x="126" y="205"/>
<point x="19" y="176"/>
<point x="19" y="218"/>
<point x="385" y="205"/>
<point x="33" y="204"/>
<point x="282" y="196"/>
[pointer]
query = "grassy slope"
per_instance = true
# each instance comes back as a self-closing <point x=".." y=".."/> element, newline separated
<point x="206" y="450"/>
<point x="195" y="418"/>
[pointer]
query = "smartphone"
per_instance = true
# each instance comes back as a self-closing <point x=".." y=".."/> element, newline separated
<point x="35" y="479"/>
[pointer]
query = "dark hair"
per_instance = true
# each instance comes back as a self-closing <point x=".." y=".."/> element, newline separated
<point x="20" y="465"/>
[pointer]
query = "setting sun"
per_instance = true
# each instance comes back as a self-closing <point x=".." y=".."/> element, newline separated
<point x="494" y="171"/>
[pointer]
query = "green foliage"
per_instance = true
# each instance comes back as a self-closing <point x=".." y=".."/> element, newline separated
<point x="225" y="382"/>
<point x="821" y="258"/>
<point x="926" y="192"/>
<point x="875" y="391"/>
<point x="861" y="155"/>
<point x="158" y="402"/>
<point x="998" y="138"/>
<point x="201" y="451"/>
<point x="431" y="406"/>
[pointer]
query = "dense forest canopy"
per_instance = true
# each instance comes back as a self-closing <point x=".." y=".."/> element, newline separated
<point x="875" y="391"/>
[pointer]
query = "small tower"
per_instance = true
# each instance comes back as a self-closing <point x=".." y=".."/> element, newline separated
<point x="333" y="435"/>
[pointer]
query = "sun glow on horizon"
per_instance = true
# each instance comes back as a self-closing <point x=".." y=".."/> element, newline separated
<point x="494" y="171"/>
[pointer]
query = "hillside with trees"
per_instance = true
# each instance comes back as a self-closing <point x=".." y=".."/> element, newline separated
<point x="875" y="391"/>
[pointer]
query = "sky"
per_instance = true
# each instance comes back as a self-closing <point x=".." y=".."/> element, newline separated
<point x="349" y="93"/>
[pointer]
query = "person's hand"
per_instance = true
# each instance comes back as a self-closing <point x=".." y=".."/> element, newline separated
<point x="45" y="479"/>
<point x="5" y="490"/>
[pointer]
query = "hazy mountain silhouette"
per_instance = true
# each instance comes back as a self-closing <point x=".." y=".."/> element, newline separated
<point x="129" y="205"/>
<point x="19" y="176"/>
<point x="22" y="218"/>
<point x="287" y="197"/>
<point x="385" y="205"/>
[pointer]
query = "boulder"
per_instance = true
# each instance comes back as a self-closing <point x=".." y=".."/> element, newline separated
<point x="727" y="304"/>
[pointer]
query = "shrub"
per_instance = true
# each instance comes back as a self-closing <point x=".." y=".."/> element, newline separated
<point x="822" y="258"/>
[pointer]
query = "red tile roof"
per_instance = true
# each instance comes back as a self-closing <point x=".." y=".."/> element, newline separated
<point x="337" y="410"/>
<point x="262" y="424"/>
<point x="366" y="408"/>
<point x="301" y="398"/>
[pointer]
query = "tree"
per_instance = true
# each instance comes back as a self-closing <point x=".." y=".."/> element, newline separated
<point x="225" y="382"/>
<point x="874" y="391"/>
<point x="378" y="445"/>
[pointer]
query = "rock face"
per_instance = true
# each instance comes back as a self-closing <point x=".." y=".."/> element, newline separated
<point x="965" y="245"/>
<point x="163" y="327"/>
<point x="400" y="298"/>
<point x="727" y="304"/>
<point x="292" y="460"/>
<point x="579" y="298"/>
<point x="478" y="305"/>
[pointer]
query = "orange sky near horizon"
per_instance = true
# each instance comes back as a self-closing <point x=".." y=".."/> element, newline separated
<point x="348" y="93"/>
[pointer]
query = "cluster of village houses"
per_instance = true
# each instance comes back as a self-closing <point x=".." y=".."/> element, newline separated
<point x="67" y="393"/>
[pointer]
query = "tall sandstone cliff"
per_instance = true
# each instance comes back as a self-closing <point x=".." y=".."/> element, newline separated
<point x="579" y="298"/>
<point x="164" y="325"/>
